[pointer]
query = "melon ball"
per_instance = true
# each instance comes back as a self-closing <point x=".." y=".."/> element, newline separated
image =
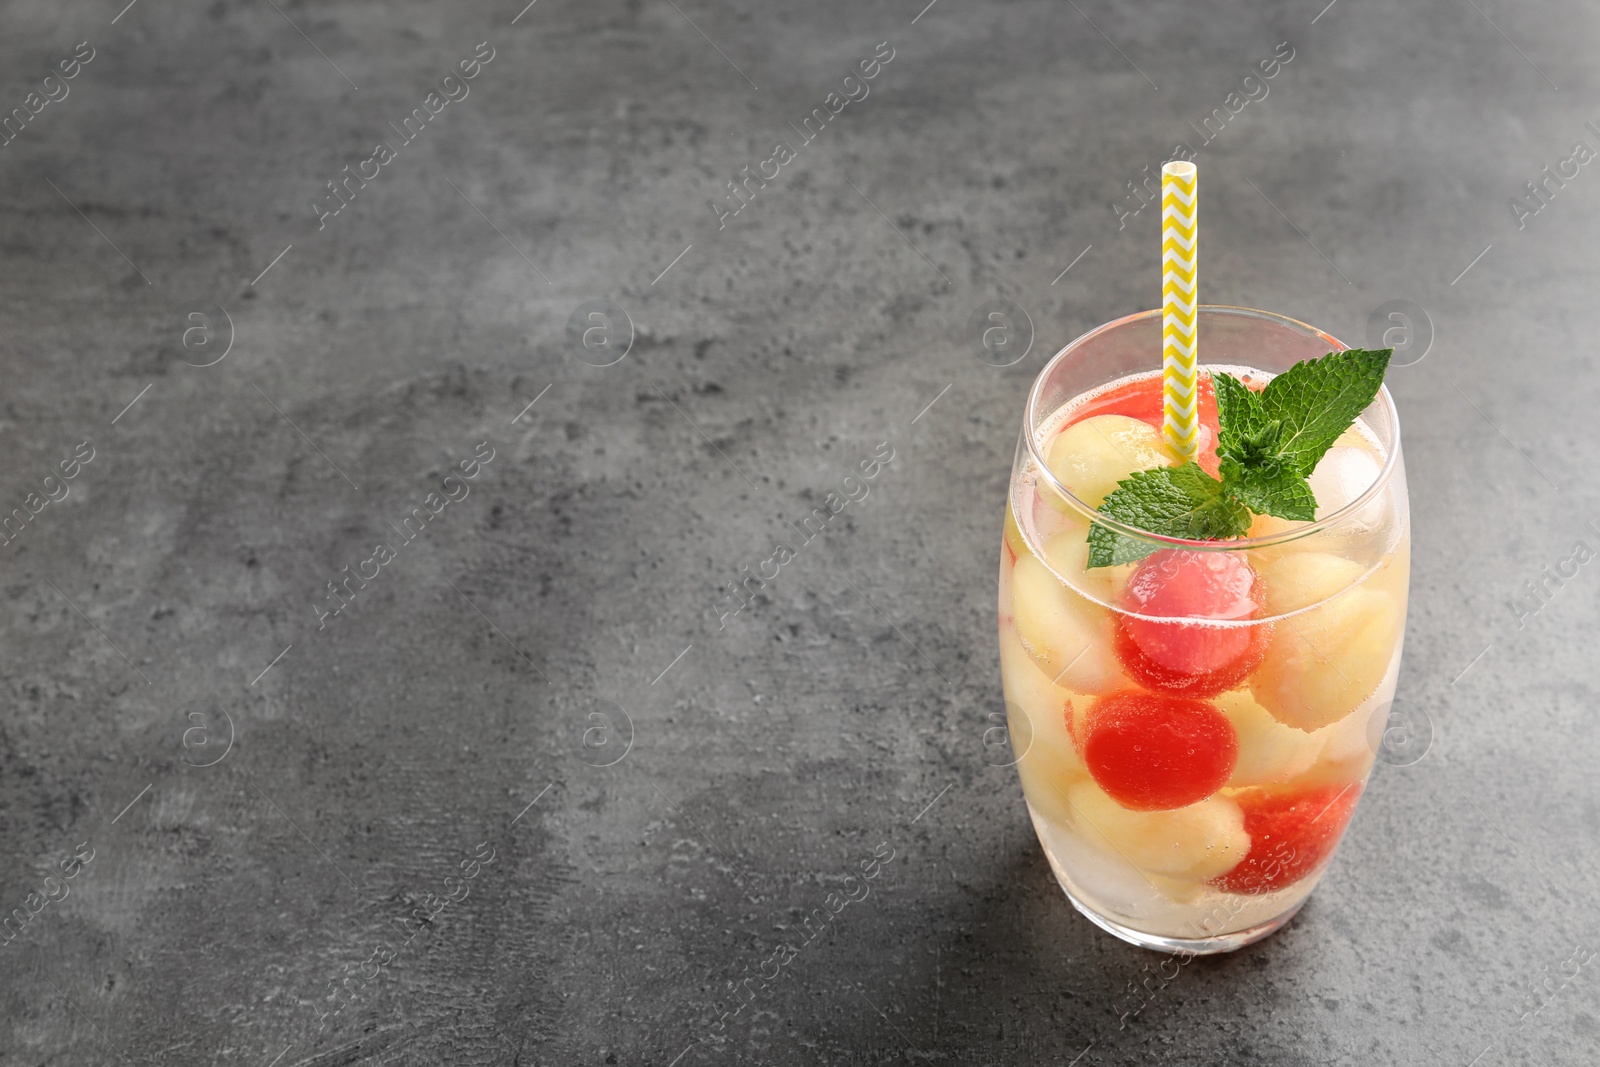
<point x="1323" y="663"/>
<point x="1046" y="780"/>
<point x="1067" y="635"/>
<point x="1090" y="457"/>
<point x="1300" y="579"/>
<point x="1068" y="555"/>
<point x="1037" y="708"/>
<point x="1268" y="750"/>
<point x="1194" y="843"/>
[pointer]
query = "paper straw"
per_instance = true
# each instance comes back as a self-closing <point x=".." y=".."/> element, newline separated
<point x="1179" y="248"/>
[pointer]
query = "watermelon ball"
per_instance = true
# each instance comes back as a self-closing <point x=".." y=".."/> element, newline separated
<point x="1291" y="834"/>
<point x="1190" y="657"/>
<point x="1155" y="752"/>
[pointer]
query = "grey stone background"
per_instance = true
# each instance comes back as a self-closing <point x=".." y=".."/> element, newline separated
<point x="256" y="836"/>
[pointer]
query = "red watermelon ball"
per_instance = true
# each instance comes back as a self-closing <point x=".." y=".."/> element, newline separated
<point x="1155" y="751"/>
<point x="1193" y="658"/>
<point x="1291" y="833"/>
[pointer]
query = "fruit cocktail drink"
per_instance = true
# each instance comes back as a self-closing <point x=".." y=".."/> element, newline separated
<point x="1199" y="658"/>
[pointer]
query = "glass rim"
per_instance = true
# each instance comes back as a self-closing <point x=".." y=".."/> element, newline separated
<point x="1129" y="530"/>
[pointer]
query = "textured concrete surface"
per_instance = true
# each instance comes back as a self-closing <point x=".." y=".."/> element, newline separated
<point x="532" y="708"/>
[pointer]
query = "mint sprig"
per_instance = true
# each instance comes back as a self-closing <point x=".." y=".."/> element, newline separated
<point x="1177" y="501"/>
<point x="1268" y="444"/>
<point x="1311" y="404"/>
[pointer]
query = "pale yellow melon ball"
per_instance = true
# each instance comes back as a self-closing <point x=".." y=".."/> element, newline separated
<point x="1068" y="635"/>
<point x="1092" y="456"/>
<point x="1269" y="751"/>
<point x="1193" y="843"/>
<point x="1323" y="663"/>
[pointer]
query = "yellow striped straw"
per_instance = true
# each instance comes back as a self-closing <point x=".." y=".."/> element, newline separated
<point x="1179" y="249"/>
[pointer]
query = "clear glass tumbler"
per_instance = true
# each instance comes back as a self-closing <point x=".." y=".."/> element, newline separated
<point x="1273" y="664"/>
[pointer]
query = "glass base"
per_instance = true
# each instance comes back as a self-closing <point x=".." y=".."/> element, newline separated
<point x="1199" y="946"/>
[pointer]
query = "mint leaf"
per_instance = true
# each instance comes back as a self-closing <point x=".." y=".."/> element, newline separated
<point x="1171" y="501"/>
<point x="1316" y="400"/>
<point x="1271" y="488"/>
<point x="1238" y="412"/>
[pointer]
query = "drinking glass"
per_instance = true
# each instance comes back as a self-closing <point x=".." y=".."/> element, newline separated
<point x="1192" y="730"/>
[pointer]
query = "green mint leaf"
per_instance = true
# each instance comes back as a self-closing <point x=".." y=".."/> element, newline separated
<point x="1316" y="400"/>
<point x="1270" y="488"/>
<point x="1238" y="413"/>
<point x="1171" y="501"/>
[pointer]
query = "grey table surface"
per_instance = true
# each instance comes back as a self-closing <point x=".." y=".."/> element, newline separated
<point x="536" y="709"/>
